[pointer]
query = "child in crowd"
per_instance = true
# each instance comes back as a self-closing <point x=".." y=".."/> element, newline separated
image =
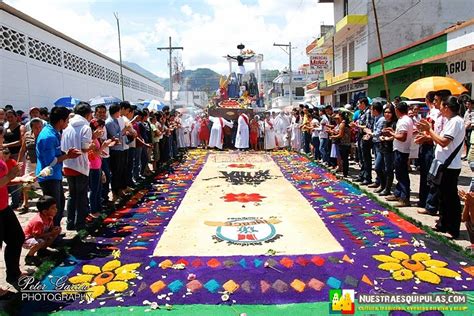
<point x="40" y="231"/>
<point x="95" y="164"/>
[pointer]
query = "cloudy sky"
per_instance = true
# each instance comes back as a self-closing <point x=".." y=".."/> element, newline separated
<point x="207" y="29"/>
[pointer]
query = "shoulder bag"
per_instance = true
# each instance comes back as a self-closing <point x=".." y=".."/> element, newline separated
<point x="435" y="174"/>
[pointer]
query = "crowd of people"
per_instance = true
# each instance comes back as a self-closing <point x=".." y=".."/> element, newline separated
<point x="102" y="153"/>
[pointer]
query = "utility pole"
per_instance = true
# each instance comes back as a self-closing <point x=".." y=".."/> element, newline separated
<point x="382" y="63"/>
<point x="170" y="48"/>
<point x="120" y="54"/>
<point x="290" y="72"/>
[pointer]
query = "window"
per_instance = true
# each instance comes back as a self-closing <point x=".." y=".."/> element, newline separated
<point x="96" y="70"/>
<point x="346" y="7"/>
<point x="44" y="52"/>
<point x="12" y="41"/>
<point x="75" y="63"/>
<point x="299" y="91"/>
<point x="344" y="58"/>
<point x="351" y="56"/>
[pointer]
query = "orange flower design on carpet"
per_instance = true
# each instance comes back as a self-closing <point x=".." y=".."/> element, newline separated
<point x="243" y="197"/>
<point x="419" y="265"/>
<point x="306" y="177"/>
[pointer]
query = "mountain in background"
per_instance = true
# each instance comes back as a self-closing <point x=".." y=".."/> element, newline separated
<point x="143" y="72"/>
<point x="201" y="79"/>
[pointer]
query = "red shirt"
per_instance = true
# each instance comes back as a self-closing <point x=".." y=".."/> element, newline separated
<point x="38" y="225"/>
<point x="3" y="189"/>
<point x="11" y="163"/>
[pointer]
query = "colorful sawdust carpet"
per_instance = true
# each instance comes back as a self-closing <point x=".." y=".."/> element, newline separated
<point x="376" y="250"/>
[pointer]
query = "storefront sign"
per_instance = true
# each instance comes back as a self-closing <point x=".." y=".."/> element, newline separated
<point x="351" y="87"/>
<point x="461" y="68"/>
<point x="320" y="62"/>
<point x="456" y="67"/>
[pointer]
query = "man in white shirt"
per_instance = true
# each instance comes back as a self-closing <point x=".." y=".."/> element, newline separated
<point x="450" y="140"/>
<point x="401" y="147"/>
<point x="78" y="134"/>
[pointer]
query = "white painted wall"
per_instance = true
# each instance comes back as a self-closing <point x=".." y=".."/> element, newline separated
<point x="460" y="38"/>
<point x="25" y="81"/>
<point x="427" y="17"/>
<point x="361" y="50"/>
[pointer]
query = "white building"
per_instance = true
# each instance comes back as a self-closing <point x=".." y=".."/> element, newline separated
<point x="183" y="99"/>
<point x="39" y="64"/>
<point x="280" y="93"/>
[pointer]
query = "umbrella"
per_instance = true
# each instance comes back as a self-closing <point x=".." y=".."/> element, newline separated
<point x="153" y="105"/>
<point x="104" y="100"/>
<point x="68" y="102"/>
<point x="419" y="88"/>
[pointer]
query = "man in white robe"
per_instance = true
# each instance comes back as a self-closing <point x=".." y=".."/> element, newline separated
<point x="269" y="133"/>
<point x="281" y="130"/>
<point x="217" y="131"/>
<point x="242" y="139"/>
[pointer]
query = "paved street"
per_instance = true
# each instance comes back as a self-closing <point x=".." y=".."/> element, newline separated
<point x="236" y="230"/>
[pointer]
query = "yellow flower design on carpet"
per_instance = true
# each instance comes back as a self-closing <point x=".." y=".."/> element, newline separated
<point x="112" y="276"/>
<point x="420" y="265"/>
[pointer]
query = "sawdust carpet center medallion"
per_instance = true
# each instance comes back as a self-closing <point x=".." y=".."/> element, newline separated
<point x="266" y="208"/>
<point x="246" y="231"/>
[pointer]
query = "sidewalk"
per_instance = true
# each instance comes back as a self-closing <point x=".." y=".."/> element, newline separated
<point x="411" y="211"/>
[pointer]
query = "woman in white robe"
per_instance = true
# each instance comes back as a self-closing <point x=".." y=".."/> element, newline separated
<point x="281" y="130"/>
<point x="194" y="134"/>
<point x="243" y="135"/>
<point x="180" y="130"/>
<point x="295" y="132"/>
<point x="187" y="131"/>
<point x="270" y="142"/>
<point x="217" y="131"/>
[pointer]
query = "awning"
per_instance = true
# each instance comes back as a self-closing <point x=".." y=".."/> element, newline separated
<point x="325" y="93"/>
<point x="417" y="63"/>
